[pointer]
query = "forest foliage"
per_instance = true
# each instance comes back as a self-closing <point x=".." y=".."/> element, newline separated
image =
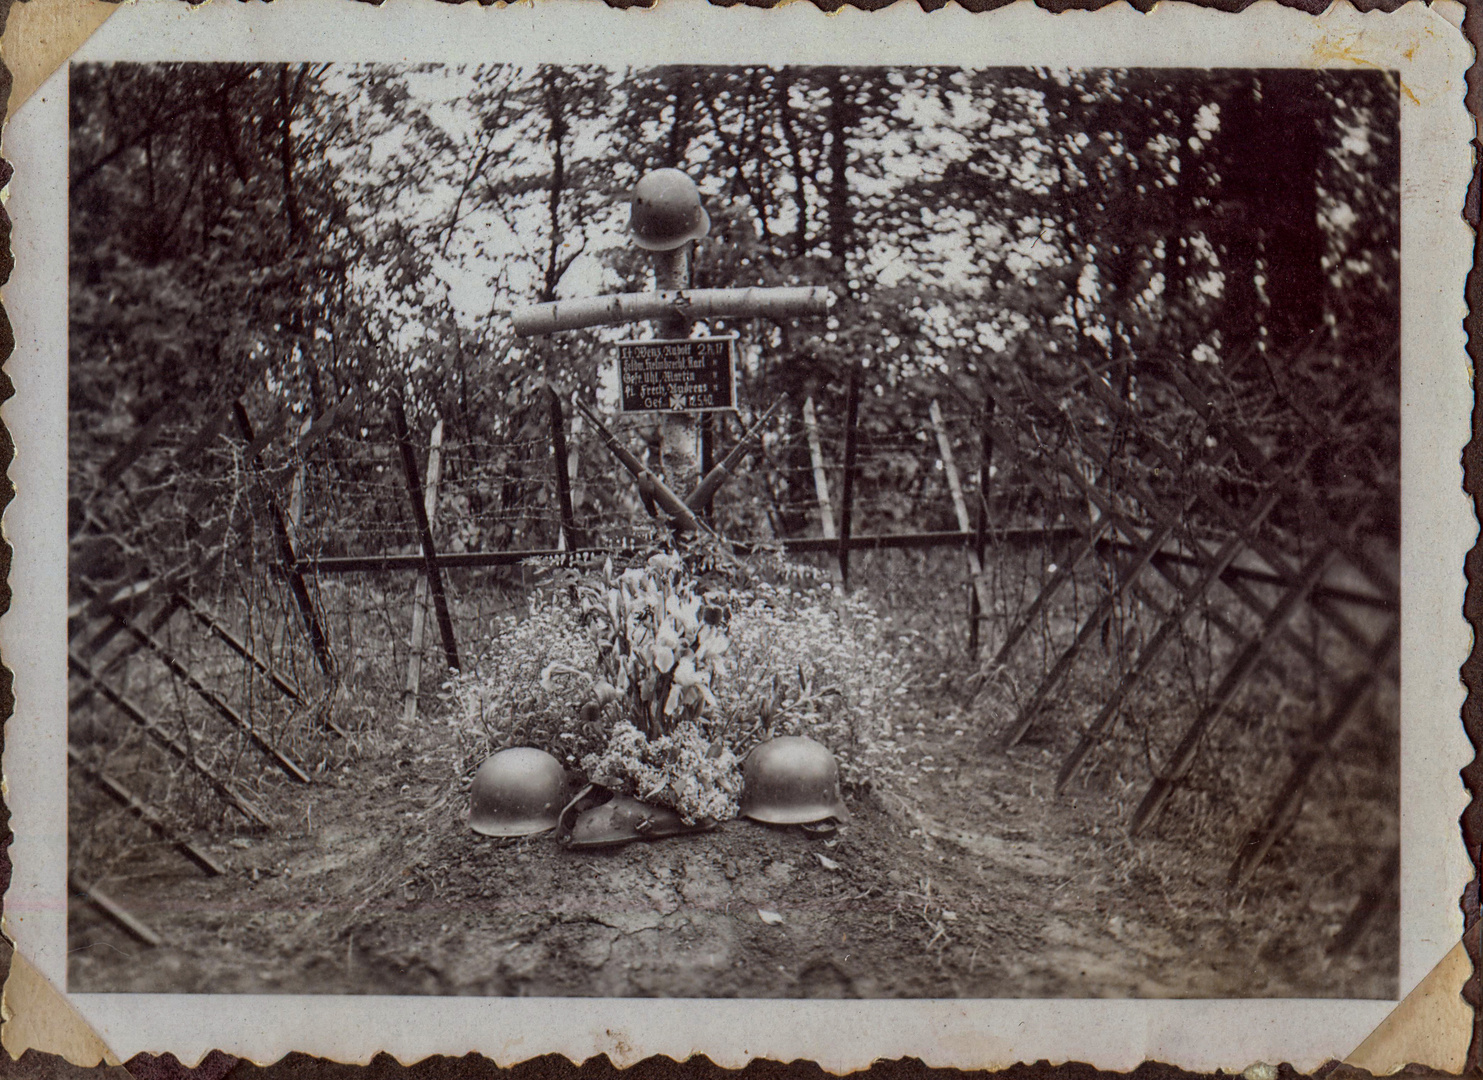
<point x="292" y="232"/>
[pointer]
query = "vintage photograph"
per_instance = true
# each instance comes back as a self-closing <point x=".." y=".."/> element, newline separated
<point x="733" y="531"/>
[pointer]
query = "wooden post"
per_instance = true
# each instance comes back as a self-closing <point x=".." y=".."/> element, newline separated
<point x="979" y="611"/>
<point x="419" y="596"/>
<point x="1268" y="663"/>
<point x="296" y="489"/>
<point x="960" y="508"/>
<point x="425" y="533"/>
<point x="163" y="738"/>
<point x="847" y="490"/>
<point x="1157" y="796"/>
<point x="1315" y="747"/>
<point x="679" y="456"/>
<point x="821" y="478"/>
<point x="569" y="538"/>
<point x="113" y="911"/>
<point x="287" y="559"/>
<point x="145" y="813"/>
<point x="1152" y="649"/>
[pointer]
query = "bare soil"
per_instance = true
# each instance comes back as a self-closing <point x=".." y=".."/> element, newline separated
<point x="971" y="880"/>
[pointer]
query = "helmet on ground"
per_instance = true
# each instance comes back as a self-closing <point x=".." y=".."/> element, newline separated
<point x="666" y="211"/>
<point x="517" y="792"/>
<point x="791" y="780"/>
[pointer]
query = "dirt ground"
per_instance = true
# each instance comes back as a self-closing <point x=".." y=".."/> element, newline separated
<point x="971" y="880"/>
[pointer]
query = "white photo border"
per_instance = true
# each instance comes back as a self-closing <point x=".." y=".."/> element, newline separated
<point x="1422" y="43"/>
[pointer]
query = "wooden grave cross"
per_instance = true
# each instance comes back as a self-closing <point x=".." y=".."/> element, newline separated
<point x="675" y="374"/>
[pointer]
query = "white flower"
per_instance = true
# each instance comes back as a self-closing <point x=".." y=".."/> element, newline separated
<point x="713" y="643"/>
<point x="684" y="612"/>
<point x="664" y="563"/>
<point x="685" y="673"/>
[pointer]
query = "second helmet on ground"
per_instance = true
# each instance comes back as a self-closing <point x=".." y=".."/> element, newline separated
<point x="791" y="780"/>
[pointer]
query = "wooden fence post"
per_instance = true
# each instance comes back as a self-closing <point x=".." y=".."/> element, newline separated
<point x="286" y="555"/>
<point x="821" y="478"/>
<point x="847" y="487"/>
<point x="960" y="508"/>
<point x="1316" y="746"/>
<point x="113" y="911"/>
<point x="563" y="478"/>
<point x="425" y="533"/>
<point x="296" y="489"/>
<point x="978" y="612"/>
<point x="1157" y="796"/>
<point x="145" y="813"/>
<point x="419" y="596"/>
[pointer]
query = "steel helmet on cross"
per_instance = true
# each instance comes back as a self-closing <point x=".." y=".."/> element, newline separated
<point x="666" y="211"/>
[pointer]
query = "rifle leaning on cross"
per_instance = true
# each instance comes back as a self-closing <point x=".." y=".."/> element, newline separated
<point x="666" y="219"/>
<point x="656" y="492"/>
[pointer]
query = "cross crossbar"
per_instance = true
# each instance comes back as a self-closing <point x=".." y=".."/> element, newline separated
<point x="578" y="314"/>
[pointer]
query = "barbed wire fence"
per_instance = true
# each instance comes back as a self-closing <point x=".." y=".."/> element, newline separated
<point x="1153" y="597"/>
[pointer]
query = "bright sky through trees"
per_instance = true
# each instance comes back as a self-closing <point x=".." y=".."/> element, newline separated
<point x="310" y="228"/>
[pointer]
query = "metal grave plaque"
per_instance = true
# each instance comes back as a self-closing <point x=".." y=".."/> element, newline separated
<point x="689" y="375"/>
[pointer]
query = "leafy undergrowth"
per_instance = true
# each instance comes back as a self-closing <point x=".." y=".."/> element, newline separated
<point x="964" y="875"/>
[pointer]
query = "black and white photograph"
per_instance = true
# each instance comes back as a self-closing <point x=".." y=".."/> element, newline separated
<point x="860" y="531"/>
<point x="1017" y="619"/>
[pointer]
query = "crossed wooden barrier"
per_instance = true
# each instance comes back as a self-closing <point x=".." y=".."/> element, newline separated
<point x="1146" y="523"/>
<point x="141" y="601"/>
<point x="1133" y="529"/>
